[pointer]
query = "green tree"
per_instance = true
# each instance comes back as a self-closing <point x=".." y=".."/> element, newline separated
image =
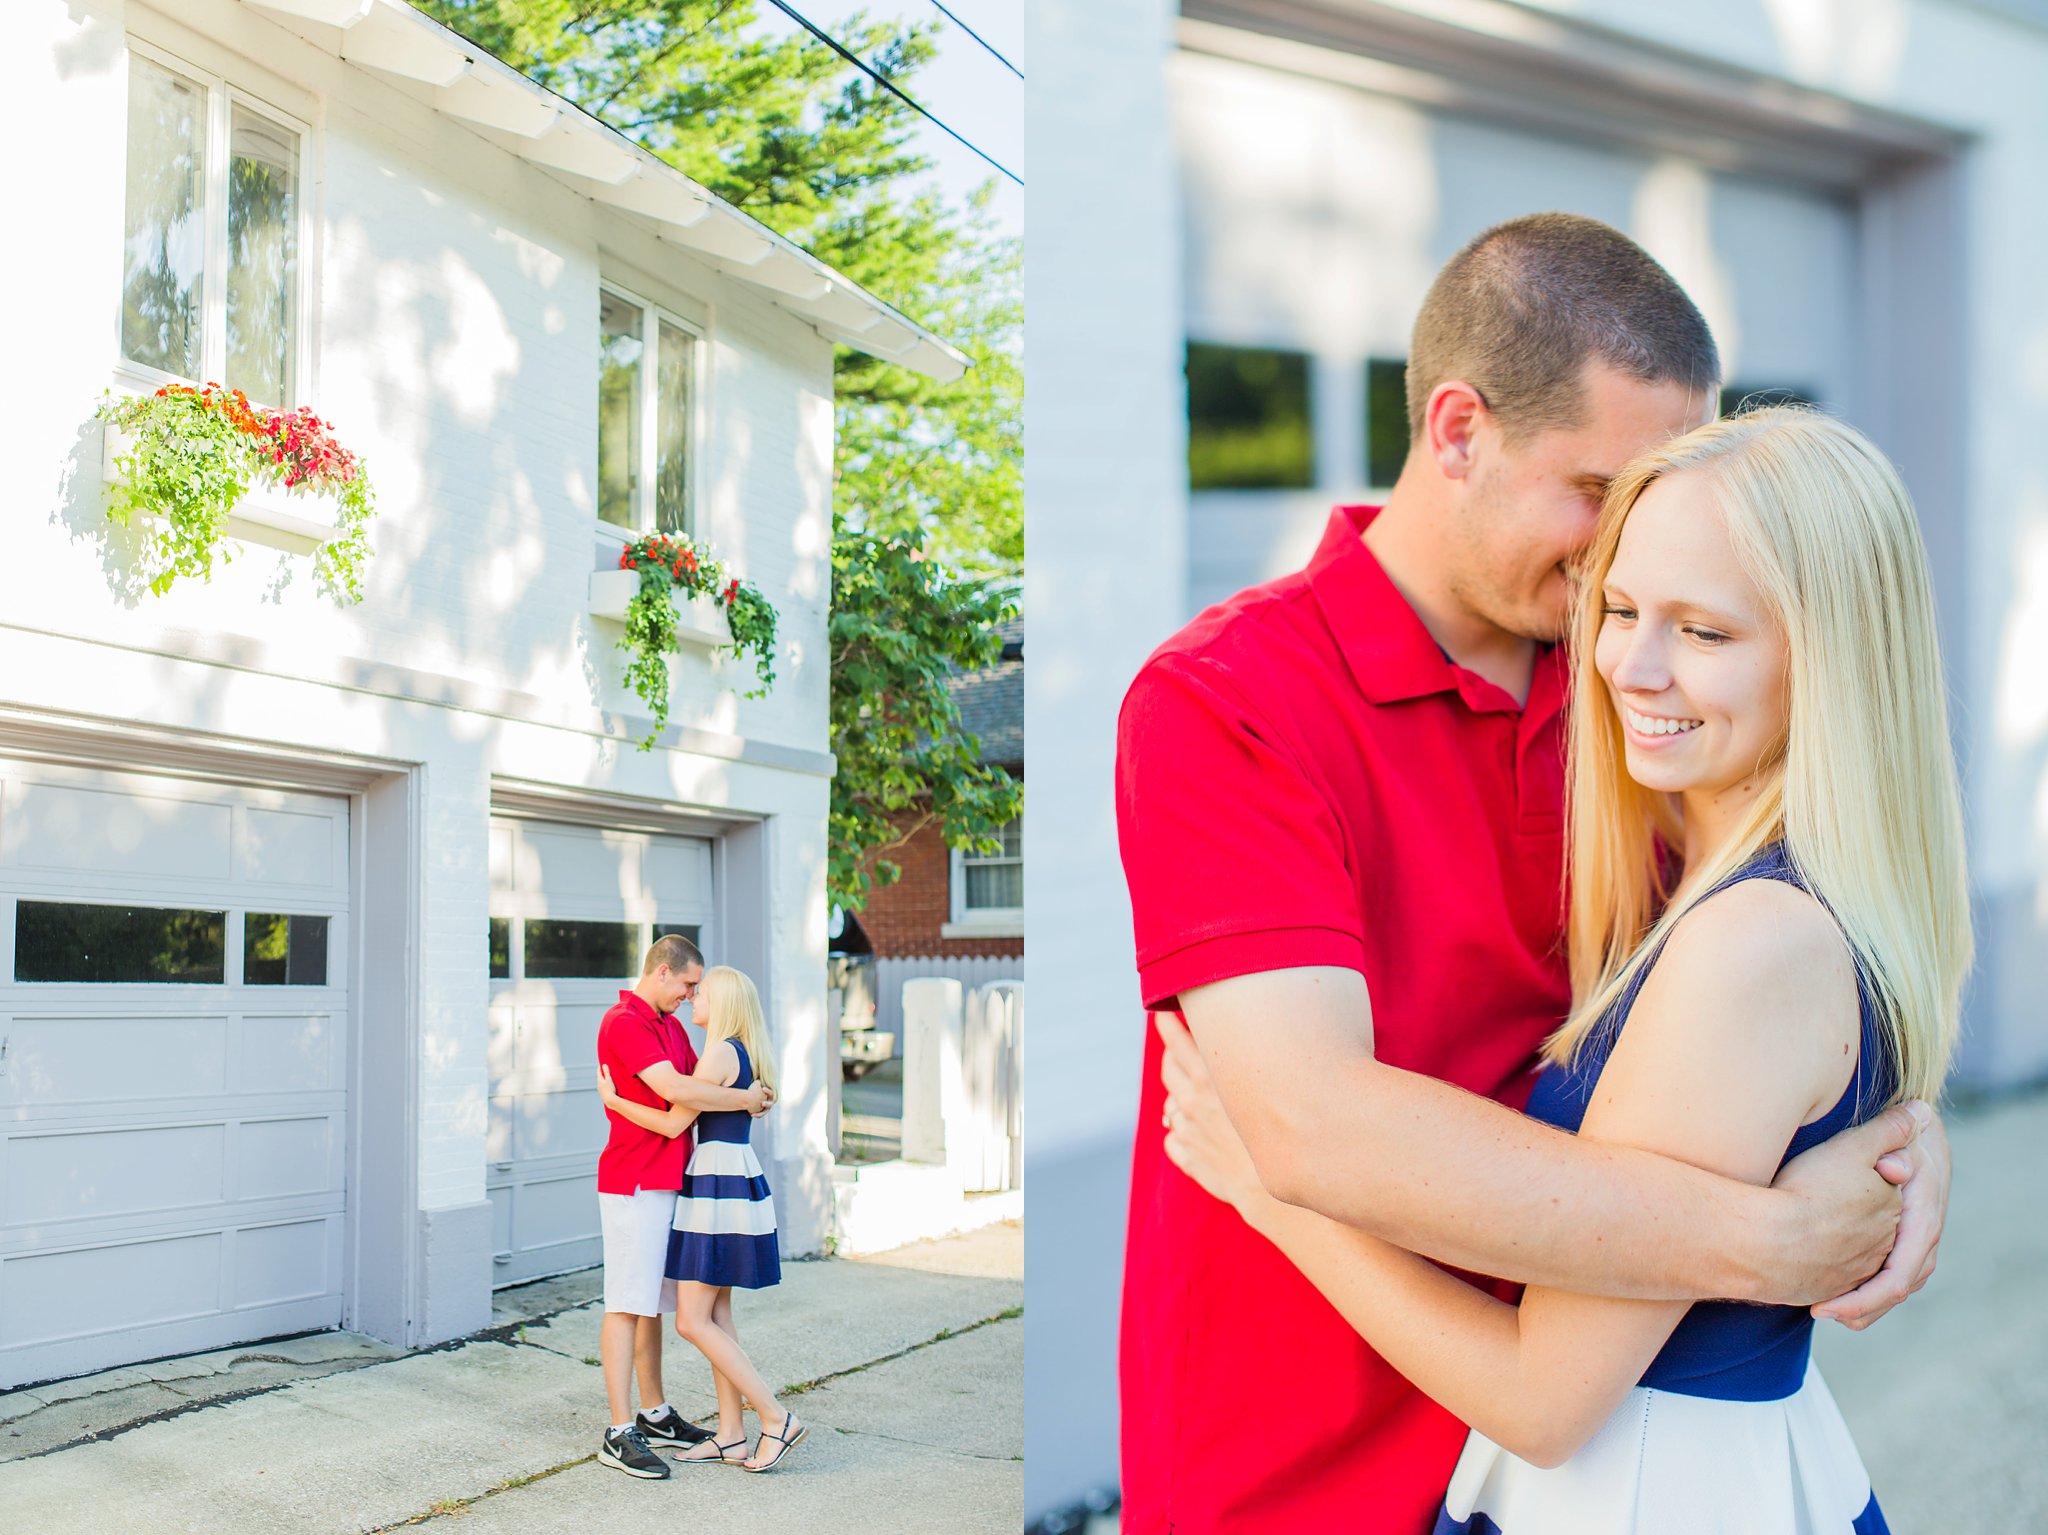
<point x="928" y="475"/>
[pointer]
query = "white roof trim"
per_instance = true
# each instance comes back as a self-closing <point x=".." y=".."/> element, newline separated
<point x="453" y="75"/>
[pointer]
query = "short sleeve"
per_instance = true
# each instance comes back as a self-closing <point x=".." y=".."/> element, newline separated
<point x="1234" y="857"/>
<point x="632" y="1044"/>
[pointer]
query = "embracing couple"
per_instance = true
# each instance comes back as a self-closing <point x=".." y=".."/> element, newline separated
<point x="1560" y="879"/>
<point x="685" y="1224"/>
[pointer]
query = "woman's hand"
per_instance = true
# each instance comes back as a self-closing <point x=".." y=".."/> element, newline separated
<point x="605" y="1090"/>
<point x="1200" y="1139"/>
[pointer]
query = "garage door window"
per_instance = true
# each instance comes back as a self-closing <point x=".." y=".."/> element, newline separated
<point x="283" y="950"/>
<point x="119" y="945"/>
<point x="560" y="951"/>
<point x="501" y="948"/>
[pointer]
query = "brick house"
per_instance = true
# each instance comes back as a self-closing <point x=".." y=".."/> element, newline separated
<point x="951" y="905"/>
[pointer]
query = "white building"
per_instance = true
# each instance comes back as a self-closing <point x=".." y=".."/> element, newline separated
<point x="200" y="1143"/>
<point x="1258" y="192"/>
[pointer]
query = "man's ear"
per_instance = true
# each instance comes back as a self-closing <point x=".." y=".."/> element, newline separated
<point x="1450" y="422"/>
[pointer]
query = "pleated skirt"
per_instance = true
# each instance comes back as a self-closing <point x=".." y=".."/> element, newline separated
<point x="1667" y="1464"/>
<point x="724" y="1228"/>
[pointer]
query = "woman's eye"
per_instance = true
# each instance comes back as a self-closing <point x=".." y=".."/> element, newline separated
<point x="1706" y="636"/>
<point x="1619" y="612"/>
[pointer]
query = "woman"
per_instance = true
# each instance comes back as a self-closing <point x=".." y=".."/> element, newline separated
<point x="724" y="1236"/>
<point x="1768" y="936"/>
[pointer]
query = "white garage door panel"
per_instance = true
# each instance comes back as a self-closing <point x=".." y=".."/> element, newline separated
<point x="277" y="1158"/>
<point x="552" y="1212"/>
<point x="57" y="826"/>
<point x="564" y="1124"/>
<point x="52" y="1062"/>
<point x="291" y="1055"/>
<point x="136" y="1283"/>
<point x="275" y="1264"/>
<point x="172" y="1156"/>
<point x="113" y="1172"/>
<point x="547" y="1122"/>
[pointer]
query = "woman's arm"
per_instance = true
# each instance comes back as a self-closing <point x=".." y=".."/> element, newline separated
<point x="671" y="1122"/>
<point x="719" y="1065"/>
<point x="1746" y="1029"/>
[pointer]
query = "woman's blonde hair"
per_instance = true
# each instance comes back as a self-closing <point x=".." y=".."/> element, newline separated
<point x="1864" y="791"/>
<point x="735" y="1009"/>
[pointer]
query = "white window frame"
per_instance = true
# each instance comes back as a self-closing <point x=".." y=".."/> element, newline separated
<point x="653" y="316"/>
<point x="981" y="921"/>
<point x="222" y="97"/>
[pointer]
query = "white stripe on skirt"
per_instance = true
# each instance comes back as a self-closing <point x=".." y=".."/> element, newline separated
<point x="1667" y="1464"/>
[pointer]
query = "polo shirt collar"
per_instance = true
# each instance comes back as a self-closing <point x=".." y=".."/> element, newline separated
<point x="640" y="1006"/>
<point x="1390" y="651"/>
<point x="1391" y="654"/>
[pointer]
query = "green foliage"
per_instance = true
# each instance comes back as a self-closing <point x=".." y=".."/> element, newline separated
<point x="924" y="471"/>
<point x="899" y="620"/>
<point x="667" y="564"/>
<point x="193" y="454"/>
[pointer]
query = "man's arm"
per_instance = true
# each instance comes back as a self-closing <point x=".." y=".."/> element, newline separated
<point x="1462" y="1179"/>
<point x="695" y="1093"/>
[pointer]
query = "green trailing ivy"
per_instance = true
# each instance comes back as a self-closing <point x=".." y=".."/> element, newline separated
<point x="668" y="564"/>
<point x="193" y="454"/>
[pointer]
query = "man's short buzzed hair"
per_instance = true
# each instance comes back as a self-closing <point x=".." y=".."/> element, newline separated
<point x="1521" y="310"/>
<point x="675" y="951"/>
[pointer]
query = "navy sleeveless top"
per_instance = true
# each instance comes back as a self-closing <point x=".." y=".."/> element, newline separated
<point x="730" y="1124"/>
<point x="1728" y="1350"/>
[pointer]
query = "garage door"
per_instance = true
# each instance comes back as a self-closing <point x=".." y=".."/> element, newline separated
<point x="173" y="1099"/>
<point x="573" y="909"/>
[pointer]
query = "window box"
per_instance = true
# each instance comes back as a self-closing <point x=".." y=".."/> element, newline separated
<point x="700" y="621"/>
<point x="296" y="521"/>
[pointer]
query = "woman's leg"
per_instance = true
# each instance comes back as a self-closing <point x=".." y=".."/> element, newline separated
<point x="693" y="1321"/>
<point x="730" y="1402"/>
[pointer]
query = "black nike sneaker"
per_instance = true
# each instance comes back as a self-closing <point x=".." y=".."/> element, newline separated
<point x="628" y="1451"/>
<point x="670" y="1428"/>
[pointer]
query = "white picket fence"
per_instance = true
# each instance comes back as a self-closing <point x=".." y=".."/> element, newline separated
<point x="971" y="973"/>
<point x="963" y="1081"/>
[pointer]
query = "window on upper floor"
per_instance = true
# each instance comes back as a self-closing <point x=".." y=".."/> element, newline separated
<point x="646" y="403"/>
<point x="1249" y="419"/>
<point x="988" y="888"/>
<point x="211" y="281"/>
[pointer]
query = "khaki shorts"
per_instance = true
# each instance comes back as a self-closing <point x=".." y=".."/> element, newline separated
<point x="636" y="1228"/>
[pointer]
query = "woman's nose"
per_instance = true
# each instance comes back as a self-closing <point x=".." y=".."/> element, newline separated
<point x="1643" y="667"/>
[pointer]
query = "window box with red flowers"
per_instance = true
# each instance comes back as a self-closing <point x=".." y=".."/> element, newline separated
<point x="670" y="592"/>
<point x="193" y="469"/>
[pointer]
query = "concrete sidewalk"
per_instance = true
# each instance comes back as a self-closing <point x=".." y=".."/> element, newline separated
<point x="908" y="1369"/>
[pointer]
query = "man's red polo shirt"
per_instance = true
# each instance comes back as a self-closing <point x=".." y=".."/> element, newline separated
<point x="1304" y="778"/>
<point x="631" y="1037"/>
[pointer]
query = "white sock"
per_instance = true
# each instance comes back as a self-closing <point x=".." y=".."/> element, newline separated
<point x="620" y="1428"/>
<point x="655" y="1411"/>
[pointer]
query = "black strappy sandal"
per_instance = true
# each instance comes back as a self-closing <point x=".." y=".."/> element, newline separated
<point x="721" y="1458"/>
<point x="786" y="1441"/>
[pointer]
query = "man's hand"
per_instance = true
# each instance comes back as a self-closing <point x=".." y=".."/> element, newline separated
<point x="1845" y="1214"/>
<point x="760" y="1096"/>
<point x="1922" y="1171"/>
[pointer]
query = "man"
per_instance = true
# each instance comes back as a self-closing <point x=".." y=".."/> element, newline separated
<point x="1340" y="808"/>
<point x="650" y="1058"/>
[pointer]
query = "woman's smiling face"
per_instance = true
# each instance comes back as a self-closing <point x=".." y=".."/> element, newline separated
<point x="1692" y="657"/>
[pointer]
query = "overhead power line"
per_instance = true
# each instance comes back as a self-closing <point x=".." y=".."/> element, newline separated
<point x="885" y="82"/>
<point x="991" y="47"/>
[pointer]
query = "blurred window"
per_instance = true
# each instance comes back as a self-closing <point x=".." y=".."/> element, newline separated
<point x="1248" y="419"/>
<point x="1386" y="420"/>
